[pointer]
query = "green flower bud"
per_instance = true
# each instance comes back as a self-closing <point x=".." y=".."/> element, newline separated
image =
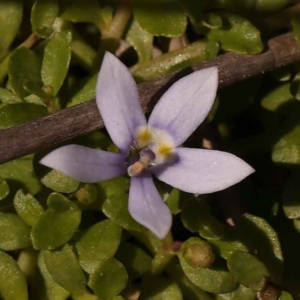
<point x="197" y="253"/>
<point x="86" y="194"/>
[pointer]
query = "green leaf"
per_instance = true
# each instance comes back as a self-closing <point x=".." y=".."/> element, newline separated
<point x="194" y="9"/>
<point x="287" y="147"/>
<point x="13" y="284"/>
<point x="237" y="34"/>
<point x="43" y="15"/>
<point x="286" y="296"/>
<point x="141" y="41"/>
<point x="175" y="60"/>
<point x="4" y="189"/>
<point x="18" y="113"/>
<point x="196" y="217"/>
<point x="213" y="280"/>
<point x="241" y="292"/>
<point x="86" y="91"/>
<point x="99" y="242"/>
<point x="161" y="288"/>
<point x="254" y="235"/>
<point x="134" y="259"/>
<point x="295" y="88"/>
<point x="60" y="182"/>
<point x="247" y="270"/>
<point x="24" y="72"/>
<point x="116" y="208"/>
<point x="64" y="268"/>
<point x="101" y="280"/>
<point x="14" y="233"/>
<point x="114" y="186"/>
<point x="60" y="221"/>
<point x="174" y="201"/>
<point x="11" y="13"/>
<point x="27" y="207"/>
<point x="165" y="12"/>
<point x="78" y="11"/>
<point x="296" y="27"/>
<point x="56" y="60"/>
<point x="280" y="100"/>
<point x="21" y="172"/>
<point x="291" y="196"/>
<point x="48" y="289"/>
<point x="7" y="96"/>
<point x="212" y="20"/>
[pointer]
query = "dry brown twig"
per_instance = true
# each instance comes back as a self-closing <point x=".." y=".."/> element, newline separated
<point x="71" y="122"/>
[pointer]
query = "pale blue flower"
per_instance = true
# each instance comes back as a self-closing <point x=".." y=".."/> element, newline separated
<point x="152" y="148"/>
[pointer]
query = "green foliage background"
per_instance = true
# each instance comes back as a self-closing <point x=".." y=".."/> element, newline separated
<point x="61" y="239"/>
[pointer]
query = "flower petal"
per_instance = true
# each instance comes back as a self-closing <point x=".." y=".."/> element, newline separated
<point x="118" y="101"/>
<point x="202" y="171"/>
<point x="85" y="164"/>
<point x="147" y="207"/>
<point x="186" y="104"/>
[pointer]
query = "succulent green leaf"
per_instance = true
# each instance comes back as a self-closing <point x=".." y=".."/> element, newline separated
<point x="4" y="189"/>
<point x="116" y="208"/>
<point x="64" y="268"/>
<point x="213" y="280"/>
<point x="254" y="235"/>
<point x="43" y="15"/>
<point x="21" y="172"/>
<point x="295" y="89"/>
<point x="194" y="9"/>
<point x="11" y="13"/>
<point x="174" y="201"/>
<point x="98" y="243"/>
<point x="247" y="270"/>
<point x="101" y="280"/>
<point x="237" y="34"/>
<point x="165" y="12"/>
<point x="280" y="100"/>
<point x="268" y="6"/>
<point x="13" y="284"/>
<point x="24" y="72"/>
<point x="189" y="290"/>
<point x="296" y="27"/>
<point x="212" y="20"/>
<point x="141" y="41"/>
<point x="291" y="196"/>
<point x="86" y="91"/>
<point x="59" y="221"/>
<point x="27" y="207"/>
<point x="195" y="216"/>
<point x="161" y="288"/>
<point x="48" y="289"/>
<point x="78" y="11"/>
<point x="286" y="150"/>
<point x="56" y="60"/>
<point x="286" y="296"/>
<point x="134" y="259"/>
<point x="7" y="96"/>
<point x="14" y="233"/>
<point x="241" y="292"/>
<point x="60" y="182"/>
<point x="175" y="60"/>
<point x="113" y="186"/>
<point x="18" y="113"/>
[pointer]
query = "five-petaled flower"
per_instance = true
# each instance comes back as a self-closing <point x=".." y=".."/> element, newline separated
<point x="153" y="147"/>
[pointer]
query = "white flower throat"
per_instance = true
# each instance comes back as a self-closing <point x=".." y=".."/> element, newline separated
<point x="154" y="146"/>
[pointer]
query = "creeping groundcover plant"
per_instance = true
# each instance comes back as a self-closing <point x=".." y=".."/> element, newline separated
<point x="152" y="148"/>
